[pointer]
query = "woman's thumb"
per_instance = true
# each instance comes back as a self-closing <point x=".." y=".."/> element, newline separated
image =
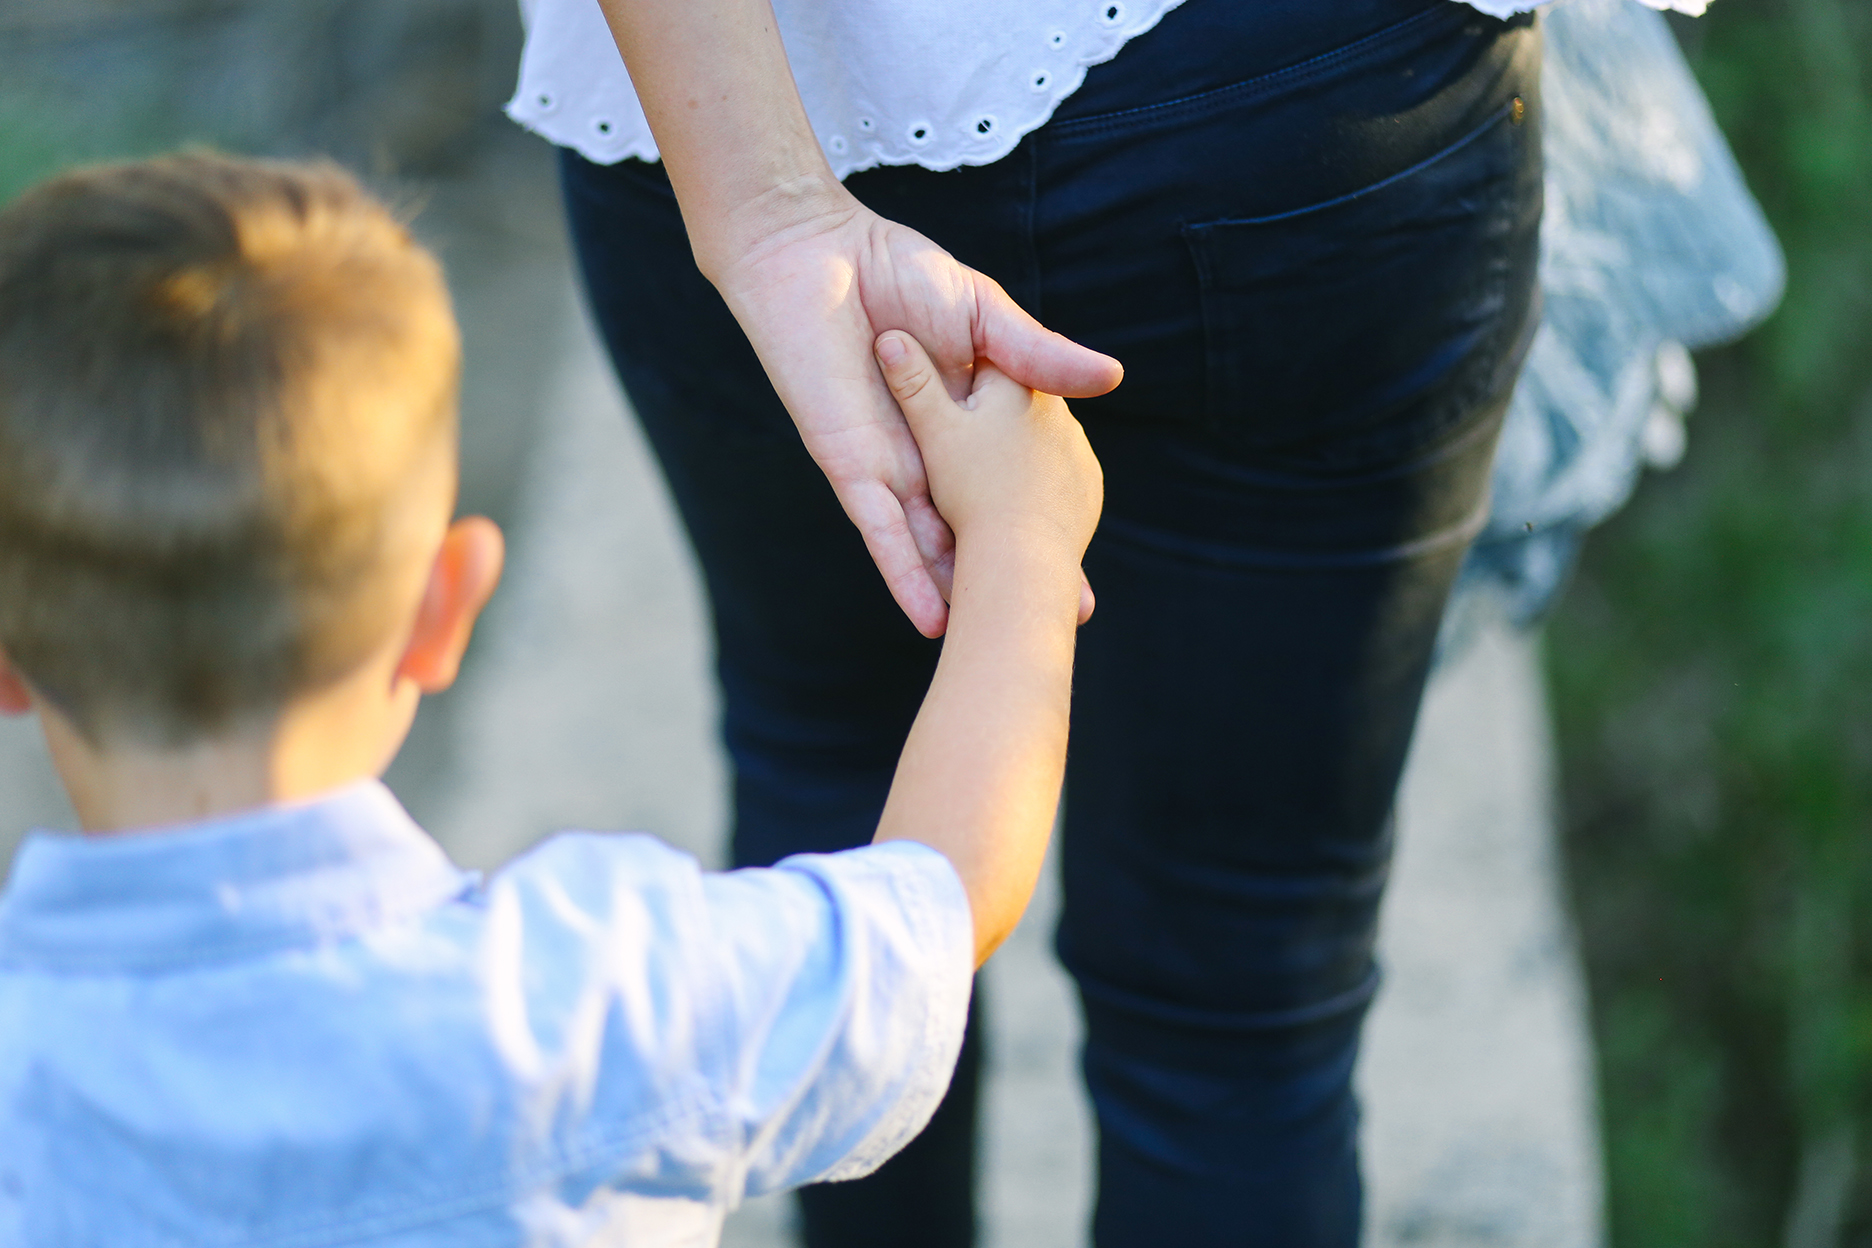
<point x="911" y="377"/>
<point x="1034" y="355"/>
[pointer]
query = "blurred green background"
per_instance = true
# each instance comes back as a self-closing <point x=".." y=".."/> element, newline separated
<point x="1711" y="665"/>
<point x="387" y="88"/>
<point x="1711" y="670"/>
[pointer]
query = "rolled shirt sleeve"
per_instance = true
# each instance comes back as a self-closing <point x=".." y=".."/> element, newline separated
<point x="850" y="976"/>
<point x="788" y="1025"/>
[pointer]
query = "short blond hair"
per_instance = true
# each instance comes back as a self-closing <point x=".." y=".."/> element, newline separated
<point x="215" y="377"/>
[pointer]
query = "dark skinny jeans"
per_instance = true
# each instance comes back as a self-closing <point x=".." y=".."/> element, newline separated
<point x="1308" y="229"/>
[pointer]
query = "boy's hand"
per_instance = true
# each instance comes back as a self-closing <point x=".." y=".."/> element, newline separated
<point x="1012" y="473"/>
<point x="1005" y="461"/>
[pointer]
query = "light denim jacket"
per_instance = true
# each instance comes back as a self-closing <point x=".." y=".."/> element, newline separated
<point x="304" y="1026"/>
<point x="1651" y="246"/>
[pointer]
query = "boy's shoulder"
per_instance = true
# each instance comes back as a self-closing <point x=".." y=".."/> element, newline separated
<point x="324" y="995"/>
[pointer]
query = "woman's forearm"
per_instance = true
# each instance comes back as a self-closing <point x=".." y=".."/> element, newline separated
<point x="715" y="85"/>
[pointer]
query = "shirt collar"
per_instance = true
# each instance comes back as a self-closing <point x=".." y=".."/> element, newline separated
<point x="281" y="877"/>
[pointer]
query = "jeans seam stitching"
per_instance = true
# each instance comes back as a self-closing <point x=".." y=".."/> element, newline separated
<point x="1490" y="122"/>
<point x="1252" y="88"/>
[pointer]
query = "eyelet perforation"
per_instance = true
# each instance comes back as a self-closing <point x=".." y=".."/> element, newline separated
<point x="988" y="103"/>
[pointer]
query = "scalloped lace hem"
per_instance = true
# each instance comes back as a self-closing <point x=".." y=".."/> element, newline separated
<point x="974" y="110"/>
<point x="884" y="82"/>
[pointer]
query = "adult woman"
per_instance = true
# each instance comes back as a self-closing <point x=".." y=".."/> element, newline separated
<point x="1308" y="229"/>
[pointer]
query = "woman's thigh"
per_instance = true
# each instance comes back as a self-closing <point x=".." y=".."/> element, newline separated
<point x="1321" y="282"/>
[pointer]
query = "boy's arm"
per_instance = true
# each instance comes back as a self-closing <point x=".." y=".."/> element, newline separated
<point x="980" y="775"/>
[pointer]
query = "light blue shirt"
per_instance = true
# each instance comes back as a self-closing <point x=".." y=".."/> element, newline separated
<point x="305" y="1026"/>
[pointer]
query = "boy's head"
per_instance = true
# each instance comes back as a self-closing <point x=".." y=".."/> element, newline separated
<point x="227" y="439"/>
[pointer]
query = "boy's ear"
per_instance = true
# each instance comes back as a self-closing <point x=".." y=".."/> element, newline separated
<point x="461" y="580"/>
<point x="15" y="697"/>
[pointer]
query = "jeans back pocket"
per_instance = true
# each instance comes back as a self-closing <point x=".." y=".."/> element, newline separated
<point x="1377" y="320"/>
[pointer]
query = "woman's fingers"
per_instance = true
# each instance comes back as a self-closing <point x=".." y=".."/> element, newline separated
<point x="1034" y="355"/>
<point x="935" y="541"/>
<point x="879" y="515"/>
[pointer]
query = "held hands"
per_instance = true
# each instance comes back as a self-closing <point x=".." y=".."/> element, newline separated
<point x="1007" y="466"/>
<point x="979" y="778"/>
<point x="813" y="295"/>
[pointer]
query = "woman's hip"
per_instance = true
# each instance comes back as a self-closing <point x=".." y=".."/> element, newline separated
<point x="1331" y="265"/>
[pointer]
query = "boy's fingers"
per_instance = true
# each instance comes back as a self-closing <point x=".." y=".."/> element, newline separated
<point x="911" y="377"/>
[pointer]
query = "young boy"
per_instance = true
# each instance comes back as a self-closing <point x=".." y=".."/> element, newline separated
<point x="253" y="1004"/>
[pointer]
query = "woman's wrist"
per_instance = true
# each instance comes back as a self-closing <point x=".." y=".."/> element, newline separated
<point x="716" y="88"/>
<point x="738" y="224"/>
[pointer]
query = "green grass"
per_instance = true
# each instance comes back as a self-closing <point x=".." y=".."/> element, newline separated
<point x="1712" y="676"/>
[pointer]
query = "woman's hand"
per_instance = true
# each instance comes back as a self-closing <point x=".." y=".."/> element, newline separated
<point x="813" y="295"/>
<point x="814" y="276"/>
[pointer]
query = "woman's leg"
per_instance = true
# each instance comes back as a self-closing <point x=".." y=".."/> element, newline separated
<point x="820" y="672"/>
<point x="1243" y="706"/>
<point x="1320" y="283"/>
<point x="1279" y="532"/>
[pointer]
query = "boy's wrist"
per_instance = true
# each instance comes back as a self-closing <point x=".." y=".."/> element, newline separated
<point x="1030" y="571"/>
<point x="1033" y="539"/>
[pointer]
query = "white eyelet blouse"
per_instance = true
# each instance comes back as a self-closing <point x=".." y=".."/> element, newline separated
<point x="937" y="83"/>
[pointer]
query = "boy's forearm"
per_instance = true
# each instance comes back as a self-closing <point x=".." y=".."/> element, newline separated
<point x="715" y="85"/>
<point x="980" y="774"/>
